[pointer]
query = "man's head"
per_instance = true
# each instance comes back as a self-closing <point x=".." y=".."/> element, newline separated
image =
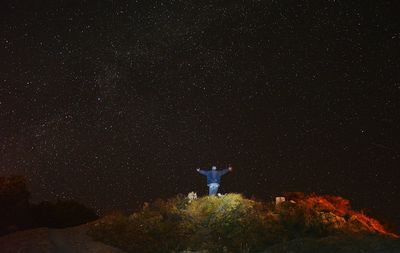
<point x="213" y="167"/>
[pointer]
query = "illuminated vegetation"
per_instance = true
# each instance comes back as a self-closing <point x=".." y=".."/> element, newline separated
<point x="232" y="223"/>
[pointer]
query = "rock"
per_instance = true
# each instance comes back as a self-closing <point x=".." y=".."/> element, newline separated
<point x="333" y="220"/>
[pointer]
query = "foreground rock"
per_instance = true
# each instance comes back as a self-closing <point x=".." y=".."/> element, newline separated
<point x="45" y="240"/>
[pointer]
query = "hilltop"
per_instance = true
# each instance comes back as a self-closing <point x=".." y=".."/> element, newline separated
<point x="233" y="223"/>
<point x="228" y="223"/>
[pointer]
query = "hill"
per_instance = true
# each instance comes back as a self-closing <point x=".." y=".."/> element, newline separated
<point x="18" y="213"/>
<point x="229" y="223"/>
<point x="232" y="223"/>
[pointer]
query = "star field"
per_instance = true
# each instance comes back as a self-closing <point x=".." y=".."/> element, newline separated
<point x="114" y="103"/>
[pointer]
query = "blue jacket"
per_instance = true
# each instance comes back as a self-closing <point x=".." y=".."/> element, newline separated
<point x="213" y="176"/>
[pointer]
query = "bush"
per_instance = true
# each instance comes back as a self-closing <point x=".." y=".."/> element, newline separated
<point x="230" y="223"/>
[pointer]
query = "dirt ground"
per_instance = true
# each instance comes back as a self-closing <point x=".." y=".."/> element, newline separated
<point x="45" y="240"/>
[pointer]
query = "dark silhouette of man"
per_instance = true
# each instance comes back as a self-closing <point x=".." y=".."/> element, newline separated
<point x="214" y="178"/>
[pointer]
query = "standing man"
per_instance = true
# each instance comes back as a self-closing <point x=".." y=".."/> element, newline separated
<point x="214" y="178"/>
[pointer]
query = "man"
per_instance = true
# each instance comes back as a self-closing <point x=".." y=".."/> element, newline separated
<point x="214" y="178"/>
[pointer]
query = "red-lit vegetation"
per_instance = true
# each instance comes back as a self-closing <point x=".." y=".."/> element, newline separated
<point x="335" y="213"/>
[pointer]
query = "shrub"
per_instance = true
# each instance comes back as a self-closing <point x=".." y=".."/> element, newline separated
<point x="230" y="223"/>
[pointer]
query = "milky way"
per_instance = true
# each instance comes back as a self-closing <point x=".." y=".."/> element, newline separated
<point x="116" y="104"/>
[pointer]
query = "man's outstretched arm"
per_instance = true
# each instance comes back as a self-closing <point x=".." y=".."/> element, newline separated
<point x="223" y="172"/>
<point x="203" y="172"/>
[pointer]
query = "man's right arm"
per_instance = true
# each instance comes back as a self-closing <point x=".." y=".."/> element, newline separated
<point x="223" y="172"/>
<point x="203" y="172"/>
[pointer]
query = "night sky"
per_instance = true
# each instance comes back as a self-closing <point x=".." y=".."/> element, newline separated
<point x="114" y="103"/>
